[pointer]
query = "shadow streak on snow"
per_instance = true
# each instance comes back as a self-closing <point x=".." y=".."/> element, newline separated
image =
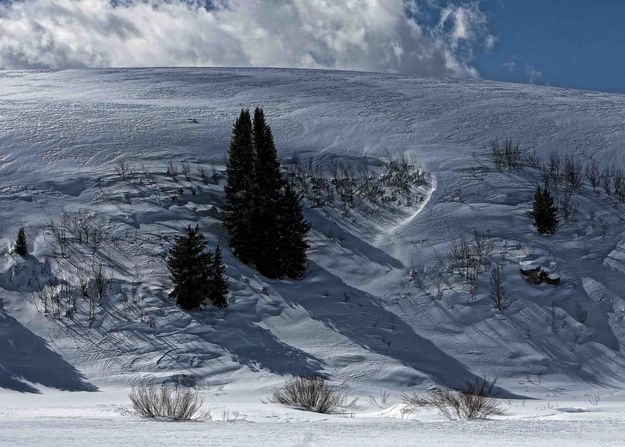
<point x="350" y="241"/>
<point x="26" y="359"/>
<point x="364" y="321"/>
<point x="258" y="348"/>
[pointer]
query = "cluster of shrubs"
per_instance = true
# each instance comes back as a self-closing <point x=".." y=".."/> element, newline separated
<point x="64" y="296"/>
<point x="328" y="183"/>
<point x="476" y="400"/>
<point x="561" y="177"/>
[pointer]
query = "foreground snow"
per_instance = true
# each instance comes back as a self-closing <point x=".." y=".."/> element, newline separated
<point x="69" y="419"/>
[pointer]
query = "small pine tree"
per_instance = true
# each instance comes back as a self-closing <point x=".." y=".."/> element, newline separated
<point x="189" y="267"/>
<point x="544" y="212"/>
<point x="217" y="282"/>
<point x="21" y="246"/>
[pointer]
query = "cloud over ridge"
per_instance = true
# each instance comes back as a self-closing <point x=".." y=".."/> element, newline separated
<point x="369" y="35"/>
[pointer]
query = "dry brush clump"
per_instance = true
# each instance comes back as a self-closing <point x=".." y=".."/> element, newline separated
<point x="475" y="401"/>
<point x="310" y="394"/>
<point x="348" y="184"/>
<point x="507" y="155"/>
<point x="168" y="403"/>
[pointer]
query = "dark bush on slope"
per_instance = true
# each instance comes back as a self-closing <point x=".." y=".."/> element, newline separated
<point x="169" y="403"/>
<point x="475" y="401"/>
<point x="310" y="394"/>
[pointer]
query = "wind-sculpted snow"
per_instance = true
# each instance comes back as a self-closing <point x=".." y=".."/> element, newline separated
<point x="367" y="311"/>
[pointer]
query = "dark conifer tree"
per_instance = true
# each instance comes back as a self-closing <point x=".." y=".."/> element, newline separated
<point x="268" y="174"/>
<point x="268" y="194"/>
<point x="240" y="189"/>
<point x="21" y="246"/>
<point x="189" y="268"/>
<point x="263" y="215"/>
<point x="217" y="283"/>
<point x="293" y="230"/>
<point x="544" y="212"/>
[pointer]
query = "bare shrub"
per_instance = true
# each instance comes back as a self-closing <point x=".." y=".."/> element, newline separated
<point x="566" y="206"/>
<point x="468" y="256"/>
<point x="172" y="170"/>
<point x="573" y="173"/>
<point x="606" y="180"/>
<point x="593" y="174"/>
<point x="185" y="168"/>
<point x="310" y="394"/>
<point x="203" y="173"/>
<point x="498" y="293"/>
<point x="604" y="226"/>
<point x="553" y="319"/>
<point x="381" y="400"/>
<point x="59" y="233"/>
<point x="506" y="155"/>
<point x="168" y="403"/>
<point x="101" y="281"/>
<point x="475" y="401"/>
<point x="554" y="168"/>
<point x="581" y="313"/>
<point x="123" y="169"/>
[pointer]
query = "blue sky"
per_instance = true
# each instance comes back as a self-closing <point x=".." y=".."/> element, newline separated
<point x="568" y="43"/>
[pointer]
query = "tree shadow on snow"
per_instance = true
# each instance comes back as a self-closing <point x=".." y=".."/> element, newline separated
<point x="26" y="359"/>
<point x="362" y="319"/>
<point x="258" y="348"/>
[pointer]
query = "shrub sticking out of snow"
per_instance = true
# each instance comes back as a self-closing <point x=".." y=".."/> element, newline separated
<point x="310" y="394"/>
<point x="168" y="403"/>
<point x="475" y="401"/>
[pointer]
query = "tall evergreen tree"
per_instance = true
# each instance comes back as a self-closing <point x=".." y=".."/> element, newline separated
<point x="268" y="194"/>
<point x="293" y="230"/>
<point x="263" y="215"/>
<point x="544" y="212"/>
<point x="189" y="268"/>
<point x="217" y="282"/>
<point x="21" y="246"/>
<point x="268" y="174"/>
<point x="240" y="189"/>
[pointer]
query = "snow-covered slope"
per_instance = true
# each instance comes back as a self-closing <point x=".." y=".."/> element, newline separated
<point x="366" y="313"/>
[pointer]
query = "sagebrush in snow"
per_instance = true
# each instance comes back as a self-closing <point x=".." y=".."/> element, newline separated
<point x="168" y="403"/>
<point x="310" y="394"/>
<point x="475" y="401"/>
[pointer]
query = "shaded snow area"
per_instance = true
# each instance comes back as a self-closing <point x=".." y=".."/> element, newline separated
<point x="381" y="311"/>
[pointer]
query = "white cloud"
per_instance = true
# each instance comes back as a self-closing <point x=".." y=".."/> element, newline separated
<point x="533" y="74"/>
<point x="372" y="35"/>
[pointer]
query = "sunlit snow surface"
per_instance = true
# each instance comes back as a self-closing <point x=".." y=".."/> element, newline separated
<point x="356" y="316"/>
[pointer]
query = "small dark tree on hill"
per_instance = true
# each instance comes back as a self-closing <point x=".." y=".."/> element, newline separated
<point x="217" y="282"/>
<point x="21" y="246"/>
<point x="189" y="267"/>
<point x="544" y="212"/>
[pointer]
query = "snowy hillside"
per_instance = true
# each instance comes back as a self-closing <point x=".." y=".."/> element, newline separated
<point x="378" y="308"/>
